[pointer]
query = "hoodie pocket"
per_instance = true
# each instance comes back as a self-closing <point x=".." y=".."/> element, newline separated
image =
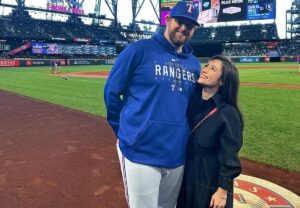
<point x="163" y="139"/>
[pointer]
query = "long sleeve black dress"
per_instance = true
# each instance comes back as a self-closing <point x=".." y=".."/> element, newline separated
<point x="212" y="154"/>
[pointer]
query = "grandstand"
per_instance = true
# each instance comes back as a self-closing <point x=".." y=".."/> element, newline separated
<point x="24" y="37"/>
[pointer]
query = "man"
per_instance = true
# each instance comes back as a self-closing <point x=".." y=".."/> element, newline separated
<point x="146" y="96"/>
<point x="55" y="67"/>
<point x="299" y="62"/>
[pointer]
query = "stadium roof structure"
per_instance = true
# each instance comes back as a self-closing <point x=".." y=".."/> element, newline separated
<point x="74" y="8"/>
<point x="293" y="21"/>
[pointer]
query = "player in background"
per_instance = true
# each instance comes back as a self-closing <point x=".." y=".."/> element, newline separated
<point x="298" y="63"/>
<point x="54" y="66"/>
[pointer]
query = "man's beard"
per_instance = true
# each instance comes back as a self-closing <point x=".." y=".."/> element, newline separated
<point x="176" y="41"/>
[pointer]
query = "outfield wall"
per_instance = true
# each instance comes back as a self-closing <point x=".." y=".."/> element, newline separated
<point x="81" y="62"/>
<point x="47" y="62"/>
<point x="259" y="59"/>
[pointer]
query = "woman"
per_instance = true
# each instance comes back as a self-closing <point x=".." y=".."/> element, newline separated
<point x="216" y="123"/>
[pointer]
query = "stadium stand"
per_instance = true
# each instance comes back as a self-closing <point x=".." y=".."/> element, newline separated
<point x="132" y="36"/>
<point x="290" y="47"/>
<point x="47" y="30"/>
<point x="245" y="49"/>
<point x="244" y="40"/>
<point x="17" y="31"/>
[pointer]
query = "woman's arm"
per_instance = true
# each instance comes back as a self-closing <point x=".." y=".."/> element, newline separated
<point x="230" y="144"/>
<point x="231" y="141"/>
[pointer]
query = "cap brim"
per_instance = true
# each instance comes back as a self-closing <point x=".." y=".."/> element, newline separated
<point x="187" y="19"/>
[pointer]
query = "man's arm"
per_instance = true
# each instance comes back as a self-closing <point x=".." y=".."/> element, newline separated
<point x="117" y="85"/>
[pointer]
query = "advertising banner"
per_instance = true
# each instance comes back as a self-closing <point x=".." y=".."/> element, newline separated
<point x="249" y="59"/>
<point x="266" y="59"/>
<point x="212" y="11"/>
<point x="86" y="62"/>
<point x="34" y="62"/>
<point x="69" y="6"/>
<point x="9" y="63"/>
<point x="290" y="59"/>
<point x="71" y="49"/>
<point x="19" y="49"/>
<point x="110" y="62"/>
<point x="41" y="62"/>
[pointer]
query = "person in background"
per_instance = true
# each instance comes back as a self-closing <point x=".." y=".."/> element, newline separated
<point x="54" y="66"/>
<point x="146" y="96"/>
<point x="216" y="124"/>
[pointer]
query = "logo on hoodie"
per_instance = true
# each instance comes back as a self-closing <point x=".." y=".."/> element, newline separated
<point x="176" y="74"/>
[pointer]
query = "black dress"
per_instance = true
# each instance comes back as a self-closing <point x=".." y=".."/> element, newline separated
<point x="212" y="154"/>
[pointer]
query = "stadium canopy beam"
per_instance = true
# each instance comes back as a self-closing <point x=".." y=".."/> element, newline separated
<point x="20" y="7"/>
<point x="113" y="7"/>
<point x="97" y="7"/>
<point x="154" y="9"/>
<point x="136" y="5"/>
<point x="82" y="2"/>
<point x="97" y="11"/>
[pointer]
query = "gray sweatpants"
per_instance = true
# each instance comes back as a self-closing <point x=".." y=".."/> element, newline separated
<point x="148" y="186"/>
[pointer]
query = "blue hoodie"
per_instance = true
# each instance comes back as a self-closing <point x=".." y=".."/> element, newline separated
<point x="146" y="97"/>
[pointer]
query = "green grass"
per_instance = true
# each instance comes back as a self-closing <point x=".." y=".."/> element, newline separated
<point x="278" y="75"/>
<point x="272" y="118"/>
<point x="84" y="94"/>
<point x="273" y="73"/>
<point x="272" y="126"/>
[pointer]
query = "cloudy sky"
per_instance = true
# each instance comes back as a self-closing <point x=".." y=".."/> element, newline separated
<point x="147" y="13"/>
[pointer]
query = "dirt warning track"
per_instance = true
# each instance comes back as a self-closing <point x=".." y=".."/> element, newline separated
<point x="53" y="156"/>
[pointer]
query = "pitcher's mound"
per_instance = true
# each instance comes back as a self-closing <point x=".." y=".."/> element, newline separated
<point x="254" y="192"/>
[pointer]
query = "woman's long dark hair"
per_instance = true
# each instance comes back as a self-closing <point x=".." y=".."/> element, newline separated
<point x="230" y="83"/>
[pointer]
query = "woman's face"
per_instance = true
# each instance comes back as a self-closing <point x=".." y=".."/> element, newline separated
<point x="211" y="74"/>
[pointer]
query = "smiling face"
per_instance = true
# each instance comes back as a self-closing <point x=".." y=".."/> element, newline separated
<point x="179" y="31"/>
<point x="211" y="74"/>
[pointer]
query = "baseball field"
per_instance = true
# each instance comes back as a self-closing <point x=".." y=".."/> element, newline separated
<point x="269" y="99"/>
<point x="57" y="150"/>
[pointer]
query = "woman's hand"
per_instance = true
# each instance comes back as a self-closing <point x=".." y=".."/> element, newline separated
<point x="218" y="199"/>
